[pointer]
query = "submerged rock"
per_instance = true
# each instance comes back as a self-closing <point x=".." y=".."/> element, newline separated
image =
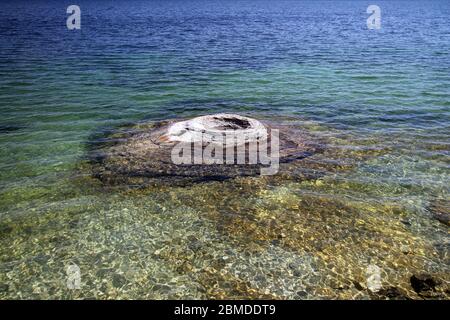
<point x="440" y="209"/>
<point x="423" y="283"/>
<point x="390" y="293"/>
<point x="144" y="154"/>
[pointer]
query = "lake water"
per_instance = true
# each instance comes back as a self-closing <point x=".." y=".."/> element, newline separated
<point x="379" y="98"/>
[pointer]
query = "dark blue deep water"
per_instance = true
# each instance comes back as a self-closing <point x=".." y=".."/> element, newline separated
<point x="381" y="98"/>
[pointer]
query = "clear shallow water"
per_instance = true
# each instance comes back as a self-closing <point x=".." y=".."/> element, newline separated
<point x="379" y="98"/>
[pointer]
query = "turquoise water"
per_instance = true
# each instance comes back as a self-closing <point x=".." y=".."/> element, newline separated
<point x="379" y="98"/>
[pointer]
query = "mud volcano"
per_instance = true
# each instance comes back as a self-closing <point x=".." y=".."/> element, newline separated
<point x="144" y="153"/>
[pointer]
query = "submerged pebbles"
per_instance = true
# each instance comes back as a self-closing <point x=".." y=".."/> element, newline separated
<point x="314" y="230"/>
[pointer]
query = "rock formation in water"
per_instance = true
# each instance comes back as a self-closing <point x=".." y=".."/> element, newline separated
<point x="145" y="153"/>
